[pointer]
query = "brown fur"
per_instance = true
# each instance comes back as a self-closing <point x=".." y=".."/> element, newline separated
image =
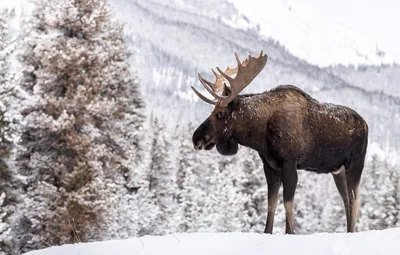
<point x="291" y="130"/>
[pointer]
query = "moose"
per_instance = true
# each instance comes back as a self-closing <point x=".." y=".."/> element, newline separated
<point x="290" y="130"/>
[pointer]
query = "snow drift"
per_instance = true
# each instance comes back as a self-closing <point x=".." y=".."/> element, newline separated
<point x="370" y="242"/>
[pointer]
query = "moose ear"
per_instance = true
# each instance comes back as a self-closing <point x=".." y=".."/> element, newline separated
<point x="227" y="90"/>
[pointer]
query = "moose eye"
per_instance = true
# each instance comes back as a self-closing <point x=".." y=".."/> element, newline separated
<point x="220" y="115"/>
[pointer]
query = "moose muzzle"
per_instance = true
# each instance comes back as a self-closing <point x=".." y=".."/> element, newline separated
<point x="201" y="139"/>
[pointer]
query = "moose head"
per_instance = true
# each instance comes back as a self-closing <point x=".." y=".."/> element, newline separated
<point x="218" y="128"/>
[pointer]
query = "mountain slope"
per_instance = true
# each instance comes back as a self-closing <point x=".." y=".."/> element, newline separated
<point x="172" y="43"/>
<point x="331" y="32"/>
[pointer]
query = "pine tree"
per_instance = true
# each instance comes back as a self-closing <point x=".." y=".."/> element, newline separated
<point x="80" y="129"/>
<point x="9" y="103"/>
<point x="209" y="196"/>
<point x="225" y="206"/>
<point x="253" y="184"/>
<point x="5" y="92"/>
<point x="162" y="176"/>
<point x="136" y="212"/>
<point x="380" y="196"/>
<point x="191" y="195"/>
<point x="4" y="228"/>
<point x="313" y="212"/>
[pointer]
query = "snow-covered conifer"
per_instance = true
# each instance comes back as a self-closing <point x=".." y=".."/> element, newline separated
<point x="380" y="196"/>
<point x="253" y="184"/>
<point x="9" y="107"/>
<point x="191" y="195"/>
<point x="81" y="126"/>
<point x="162" y="175"/>
<point x="225" y="206"/>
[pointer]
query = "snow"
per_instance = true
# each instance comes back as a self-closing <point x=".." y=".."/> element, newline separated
<point x="21" y="8"/>
<point x="12" y="4"/>
<point x="370" y="242"/>
<point x="315" y="36"/>
<point x="328" y="33"/>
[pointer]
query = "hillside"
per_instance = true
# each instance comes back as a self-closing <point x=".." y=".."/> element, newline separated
<point x="172" y="43"/>
<point x="371" y="242"/>
<point x="328" y="33"/>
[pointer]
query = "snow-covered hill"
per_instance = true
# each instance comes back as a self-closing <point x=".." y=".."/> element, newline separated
<point x="328" y="33"/>
<point x="173" y="41"/>
<point x="371" y="242"/>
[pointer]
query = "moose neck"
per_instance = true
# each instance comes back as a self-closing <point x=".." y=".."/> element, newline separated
<point x="250" y="121"/>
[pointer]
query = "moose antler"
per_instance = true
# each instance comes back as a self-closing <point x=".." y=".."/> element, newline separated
<point x="245" y="73"/>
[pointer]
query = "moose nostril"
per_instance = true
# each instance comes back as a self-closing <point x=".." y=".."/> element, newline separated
<point x="198" y="145"/>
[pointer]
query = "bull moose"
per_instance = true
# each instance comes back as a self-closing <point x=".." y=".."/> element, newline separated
<point x="290" y="130"/>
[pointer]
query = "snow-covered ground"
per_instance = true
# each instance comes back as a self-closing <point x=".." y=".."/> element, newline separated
<point x="371" y="242"/>
<point x="329" y="32"/>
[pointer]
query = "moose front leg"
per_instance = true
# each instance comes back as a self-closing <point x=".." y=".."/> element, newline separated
<point x="274" y="183"/>
<point x="289" y="181"/>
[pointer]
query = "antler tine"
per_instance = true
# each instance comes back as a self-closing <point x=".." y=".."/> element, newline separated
<point x="215" y="73"/>
<point x="239" y="64"/>
<point x="205" y="82"/>
<point x="205" y="99"/>
<point x="230" y="71"/>
<point x="225" y="75"/>
<point x="209" y="89"/>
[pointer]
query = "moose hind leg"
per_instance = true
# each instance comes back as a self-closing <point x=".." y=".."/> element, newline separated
<point x="353" y="177"/>
<point x="341" y="185"/>
<point x="289" y="181"/>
